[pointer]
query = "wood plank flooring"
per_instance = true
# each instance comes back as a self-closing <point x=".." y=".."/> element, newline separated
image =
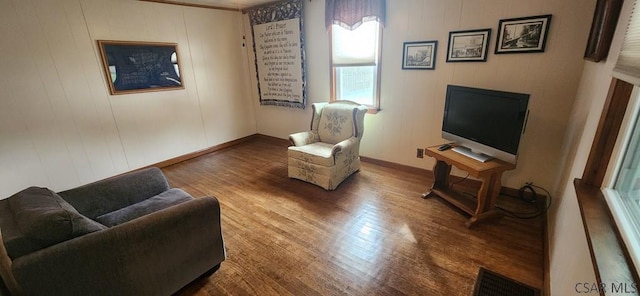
<point x="374" y="235"/>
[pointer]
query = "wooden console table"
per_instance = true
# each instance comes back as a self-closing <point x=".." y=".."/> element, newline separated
<point x="490" y="173"/>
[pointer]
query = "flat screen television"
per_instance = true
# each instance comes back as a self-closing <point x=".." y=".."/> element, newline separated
<point x="483" y="123"/>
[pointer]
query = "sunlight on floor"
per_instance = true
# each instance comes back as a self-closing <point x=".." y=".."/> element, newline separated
<point x="363" y="239"/>
<point x="406" y="233"/>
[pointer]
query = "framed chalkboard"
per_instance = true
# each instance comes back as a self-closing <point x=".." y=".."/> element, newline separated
<point x="132" y="67"/>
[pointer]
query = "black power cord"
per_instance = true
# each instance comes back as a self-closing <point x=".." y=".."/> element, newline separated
<point x="522" y="196"/>
<point x="459" y="181"/>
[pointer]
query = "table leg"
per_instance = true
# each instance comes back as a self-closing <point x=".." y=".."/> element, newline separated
<point x="487" y="196"/>
<point x="494" y="191"/>
<point x="441" y="171"/>
<point x="482" y="217"/>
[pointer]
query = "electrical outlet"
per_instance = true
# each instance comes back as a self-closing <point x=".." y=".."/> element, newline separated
<point x="420" y="153"/>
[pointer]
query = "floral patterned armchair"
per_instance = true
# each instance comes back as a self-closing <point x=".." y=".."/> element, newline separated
<point x="329" y="153"/>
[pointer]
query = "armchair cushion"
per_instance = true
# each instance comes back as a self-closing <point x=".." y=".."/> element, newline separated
<point x="43" y="218"/>
<point x="161" y="201"/>
<point x="316" y="153"/>
<point x="336" y="123"/>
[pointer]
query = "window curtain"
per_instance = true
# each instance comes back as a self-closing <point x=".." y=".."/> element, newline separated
<point x="628" y="65"/>
<point x="350" y="14"/>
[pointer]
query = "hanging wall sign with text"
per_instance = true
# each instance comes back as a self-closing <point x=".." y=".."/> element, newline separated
<point x="279" y="53"/>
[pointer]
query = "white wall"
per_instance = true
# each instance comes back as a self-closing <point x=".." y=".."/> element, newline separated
<point x="60" y="128"/>
<point x="568" y="250"/>
<point x="412" y="101"/>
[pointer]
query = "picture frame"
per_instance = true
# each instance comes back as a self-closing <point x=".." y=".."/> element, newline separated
<point x="133" y="66"/>
<point x="419" y="55"/>
<point x="603" y="26"/>
<point x="523" y="35"/>
<point x="468" y="46"/>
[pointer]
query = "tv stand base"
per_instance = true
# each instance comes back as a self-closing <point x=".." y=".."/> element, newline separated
<point x="482" y="207"/>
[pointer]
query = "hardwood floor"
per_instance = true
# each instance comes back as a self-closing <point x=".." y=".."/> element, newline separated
<point x="373" y="235"/>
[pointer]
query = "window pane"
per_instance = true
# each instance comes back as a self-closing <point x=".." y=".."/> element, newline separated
<point x="356" y="63"/>
<point x="357" y="47"/>
<point x="628" y="181"/>
<point x="356" y="84"/>
<point x="624" y="196"/>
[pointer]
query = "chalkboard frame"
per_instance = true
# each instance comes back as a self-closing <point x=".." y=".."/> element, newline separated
<point x="122" y="50"/>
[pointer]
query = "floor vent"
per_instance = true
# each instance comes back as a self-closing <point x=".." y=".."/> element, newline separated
<point x="490" y="283"/>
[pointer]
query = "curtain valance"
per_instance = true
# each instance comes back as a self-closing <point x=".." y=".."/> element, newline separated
<point x="350" y="14"/>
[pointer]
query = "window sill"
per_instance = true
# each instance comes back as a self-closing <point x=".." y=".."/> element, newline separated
<point x="373" y="110"/>
<point x="611" y="261"/>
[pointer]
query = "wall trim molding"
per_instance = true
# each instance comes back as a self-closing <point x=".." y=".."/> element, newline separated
<point x="195" y="154"/>
<point x="192" y="5"/>
<point x="285" y="143"/>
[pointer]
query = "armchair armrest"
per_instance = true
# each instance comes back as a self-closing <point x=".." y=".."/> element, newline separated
<point x="346" y="145"/>
<point x="304" y="138"/>
<point x="101" y="197"/>
<point x="156" y="254"/>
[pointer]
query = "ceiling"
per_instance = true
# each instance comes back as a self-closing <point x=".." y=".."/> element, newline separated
<point x="234" y="4"/>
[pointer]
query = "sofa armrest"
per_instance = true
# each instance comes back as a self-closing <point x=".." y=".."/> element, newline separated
<point x="156" y="254"/>
<point x="303" y="138"/>
<point x="105" y="196"/>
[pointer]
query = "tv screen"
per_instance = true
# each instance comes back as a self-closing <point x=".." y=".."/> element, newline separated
<point x="486" y="121"/>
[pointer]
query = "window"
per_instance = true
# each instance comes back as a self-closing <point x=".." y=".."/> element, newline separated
<point x="623" y="194"/>
<point x="616" y="146"/>
<point x="355" y="64"/>
<point x="623" y="191"/>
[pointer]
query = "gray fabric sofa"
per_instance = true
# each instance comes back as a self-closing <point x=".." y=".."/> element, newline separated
<point x="127" y="235"/>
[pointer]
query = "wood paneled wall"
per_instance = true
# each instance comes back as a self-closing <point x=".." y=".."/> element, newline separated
<point x="412" y="102"/>
<point x="60" y="128"/>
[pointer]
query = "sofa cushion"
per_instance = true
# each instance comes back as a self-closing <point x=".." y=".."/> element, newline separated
<point x="161" y="201"/>
<point x="108" y="195"/>
<point x="42" y="215"/>
<point x="16" y="243"/>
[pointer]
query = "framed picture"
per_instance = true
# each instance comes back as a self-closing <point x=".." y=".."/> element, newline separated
<point x="419" y="55"/>
<point x="525" y="34"/>
<point x="603" y="26"/>
<point x="468" y="46"/>
<point x="132" y="67"/>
